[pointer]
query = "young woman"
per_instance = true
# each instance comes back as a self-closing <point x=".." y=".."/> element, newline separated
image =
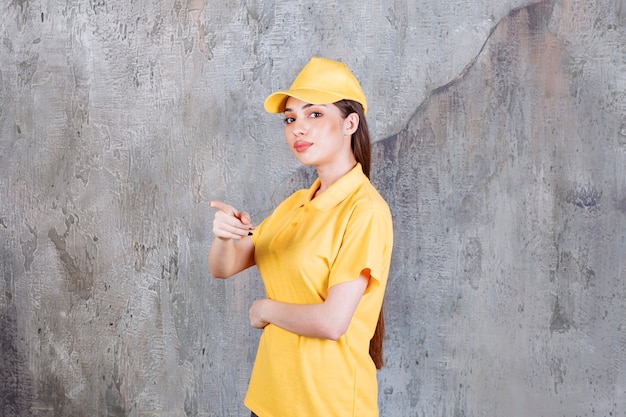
<point x="323" y="255"/>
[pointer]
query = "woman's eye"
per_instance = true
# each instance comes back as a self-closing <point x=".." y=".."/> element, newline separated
<point x="289" y="120"/>
<point x="315" y="114"/>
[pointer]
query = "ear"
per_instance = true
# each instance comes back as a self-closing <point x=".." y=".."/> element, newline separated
<point x="351" y="123"/>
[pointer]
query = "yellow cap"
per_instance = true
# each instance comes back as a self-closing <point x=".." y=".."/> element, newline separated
<point x="321" y="81"/>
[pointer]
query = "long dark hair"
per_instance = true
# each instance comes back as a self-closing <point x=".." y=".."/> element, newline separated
<point x="362" y="149"/>
<point x="361" y="146"/>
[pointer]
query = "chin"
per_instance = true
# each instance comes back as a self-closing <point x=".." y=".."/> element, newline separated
<point x="304" y="160"/>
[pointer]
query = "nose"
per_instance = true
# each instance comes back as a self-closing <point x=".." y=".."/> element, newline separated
<point x="299" y="126"/>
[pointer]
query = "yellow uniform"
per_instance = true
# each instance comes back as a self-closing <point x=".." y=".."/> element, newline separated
<point x="301" y="250"/>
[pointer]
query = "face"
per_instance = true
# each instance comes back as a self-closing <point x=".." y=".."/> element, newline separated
<point x="319" y="135"/>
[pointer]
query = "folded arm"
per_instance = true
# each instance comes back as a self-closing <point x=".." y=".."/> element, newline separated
<point x="326" y="320"/>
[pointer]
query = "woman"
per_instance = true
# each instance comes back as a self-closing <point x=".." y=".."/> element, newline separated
<point x="323" y="255"/>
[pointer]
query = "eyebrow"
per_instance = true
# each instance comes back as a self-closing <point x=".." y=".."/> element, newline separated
<point x="306" y="106"/>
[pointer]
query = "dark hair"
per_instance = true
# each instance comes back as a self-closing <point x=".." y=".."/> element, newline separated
<point x="361" y="146"/>
<point x="362" y="149"/>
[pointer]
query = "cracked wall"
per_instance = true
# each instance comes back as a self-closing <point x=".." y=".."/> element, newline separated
<point x="500" y="132"/>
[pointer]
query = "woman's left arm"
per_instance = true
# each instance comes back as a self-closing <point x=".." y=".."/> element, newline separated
<point x="327" y="320"/>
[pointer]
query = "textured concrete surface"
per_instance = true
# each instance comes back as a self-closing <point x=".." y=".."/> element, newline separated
<point x="500" y="133"/>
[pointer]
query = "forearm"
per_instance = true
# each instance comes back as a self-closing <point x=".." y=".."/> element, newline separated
<point x="311" y="320"/>
<point x="227" y="257"/>
<point x="326" y="320"/>
<point x="222" y="257"/>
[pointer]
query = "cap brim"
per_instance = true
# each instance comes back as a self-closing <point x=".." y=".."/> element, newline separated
<point x="275" y="102"/>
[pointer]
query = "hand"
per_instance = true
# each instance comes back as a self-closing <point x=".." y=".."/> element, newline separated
<point x="229" y="223"/>
<point x="255" y="314"/>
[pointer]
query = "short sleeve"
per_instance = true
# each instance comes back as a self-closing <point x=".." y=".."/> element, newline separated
<point x="366" y="244"/>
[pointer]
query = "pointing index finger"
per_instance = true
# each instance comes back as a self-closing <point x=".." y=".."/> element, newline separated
<point x="242" y="216"/>
<point x="221" y="206"/>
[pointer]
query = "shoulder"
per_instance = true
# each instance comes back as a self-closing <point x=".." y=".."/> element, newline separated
<point x="367" y="198"/>
<point x="369" y="212"/>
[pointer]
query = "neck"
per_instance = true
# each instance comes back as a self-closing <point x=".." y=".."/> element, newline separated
<point x="329" y="175"/>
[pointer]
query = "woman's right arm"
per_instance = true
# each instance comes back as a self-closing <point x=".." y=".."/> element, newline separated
<point x="227" y="257"/>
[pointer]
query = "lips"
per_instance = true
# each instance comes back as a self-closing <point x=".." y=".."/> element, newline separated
<point x="301" y="146"/>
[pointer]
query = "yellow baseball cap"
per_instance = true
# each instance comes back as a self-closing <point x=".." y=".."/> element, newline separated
<point x="321" y="81"/>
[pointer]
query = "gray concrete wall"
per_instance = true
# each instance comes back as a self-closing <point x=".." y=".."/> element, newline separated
<point x="500" y="132"/>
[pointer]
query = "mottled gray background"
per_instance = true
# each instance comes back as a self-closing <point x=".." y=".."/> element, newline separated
<point x="500" y="145"/>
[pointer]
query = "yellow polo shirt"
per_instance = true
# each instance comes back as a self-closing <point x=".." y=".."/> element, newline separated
<point x="301" y="250"/>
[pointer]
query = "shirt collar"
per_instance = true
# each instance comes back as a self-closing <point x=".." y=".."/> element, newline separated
<point x="338" y="191"/>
